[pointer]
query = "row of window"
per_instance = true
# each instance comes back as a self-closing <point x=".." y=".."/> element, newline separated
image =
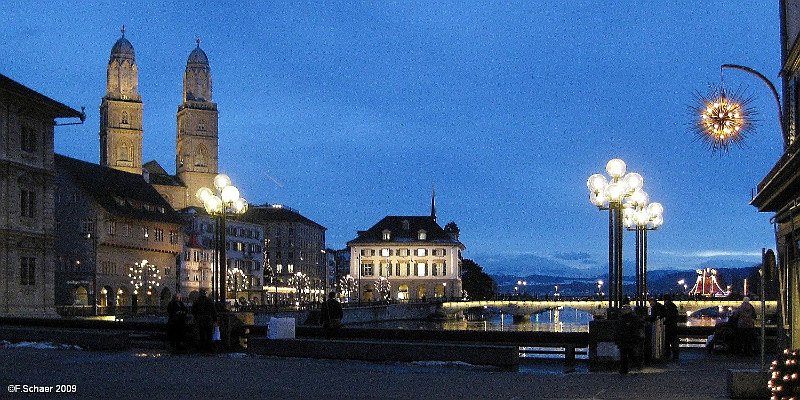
<point x="420" y="252"/>
<point x="421" y="234"/>
<point x="404" y="269"/>
<point x="126" y="230"/>
<point x="242" y="232"/>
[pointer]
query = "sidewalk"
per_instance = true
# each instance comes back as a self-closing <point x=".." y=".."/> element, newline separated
<point x="155" y="375"/>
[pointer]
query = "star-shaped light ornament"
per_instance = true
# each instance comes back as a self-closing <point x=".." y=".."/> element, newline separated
<point x="723" y="118"/>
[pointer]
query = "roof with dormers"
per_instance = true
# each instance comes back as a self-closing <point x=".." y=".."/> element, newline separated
<point x="405" y="229"/>
<point x="118" y="192"/>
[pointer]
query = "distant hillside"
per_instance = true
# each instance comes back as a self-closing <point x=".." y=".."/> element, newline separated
<point x="659" y="282"/>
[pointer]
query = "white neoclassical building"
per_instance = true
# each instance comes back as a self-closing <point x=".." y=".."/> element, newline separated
<point x="418" y="258"/>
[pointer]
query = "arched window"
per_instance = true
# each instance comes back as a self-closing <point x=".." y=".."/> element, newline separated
<point x="81" y="296"/>
<point x="125" y="152"/>
<point x="201" y="156"/>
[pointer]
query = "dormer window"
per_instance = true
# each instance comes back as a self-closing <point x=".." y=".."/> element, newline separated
<point x="405" y="224"/>
<point x="422" y="235"/>
<point x="387" y="234"/>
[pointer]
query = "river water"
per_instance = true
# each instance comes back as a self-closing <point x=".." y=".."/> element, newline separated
<point x="560" y="320"/>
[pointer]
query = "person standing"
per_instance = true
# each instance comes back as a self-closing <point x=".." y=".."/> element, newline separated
<point x="205" y="316"/>
<point x="628" y="335"/>
<point x="745" y="327"/>
<point x="671" y="328"/>
<point x="176" y="323"/>
<point x="331" y="314"/>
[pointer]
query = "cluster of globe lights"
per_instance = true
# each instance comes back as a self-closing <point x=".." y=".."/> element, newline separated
<point x="225" y="200"/>
<point x="625" y="189"/>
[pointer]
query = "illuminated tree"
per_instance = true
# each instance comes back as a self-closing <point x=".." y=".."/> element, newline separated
<point x="383" y="287"/>
<point x="783" y="382"/>
<point x="347" y="285"/>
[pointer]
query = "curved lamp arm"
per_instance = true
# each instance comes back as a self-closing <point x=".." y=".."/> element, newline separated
<point x="769" y="84"/>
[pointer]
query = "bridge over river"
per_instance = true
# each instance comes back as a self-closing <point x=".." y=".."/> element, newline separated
<point x="530" y="307"/>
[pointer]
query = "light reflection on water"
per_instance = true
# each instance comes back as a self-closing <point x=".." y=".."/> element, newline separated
<point x="562" y="320"/>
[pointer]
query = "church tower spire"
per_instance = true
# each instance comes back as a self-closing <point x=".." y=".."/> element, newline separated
<point x="196" y="153"/>
<point x="121" y="111"/>
<point x="433" y="202"/>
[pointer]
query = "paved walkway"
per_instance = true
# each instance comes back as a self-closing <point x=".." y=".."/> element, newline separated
<point x="154" y="375"/>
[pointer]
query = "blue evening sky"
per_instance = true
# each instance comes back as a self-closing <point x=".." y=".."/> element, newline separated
<point x="350" y="111"/>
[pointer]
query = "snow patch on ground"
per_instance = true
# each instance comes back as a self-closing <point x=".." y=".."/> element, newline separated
<point x="38" y="345"/>
<point x="452" y="364"/>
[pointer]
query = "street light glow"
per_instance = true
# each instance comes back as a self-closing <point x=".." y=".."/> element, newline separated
<point x="723" y="118"/>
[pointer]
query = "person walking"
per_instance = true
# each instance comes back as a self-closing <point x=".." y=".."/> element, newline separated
<point x="628" y="335"/>
<point x="205" y="316"/>
<point x="671" y="328"/>
<point x="176" y="323"/>
<point x="331" y="314"/>
<point x="745" y="327"/>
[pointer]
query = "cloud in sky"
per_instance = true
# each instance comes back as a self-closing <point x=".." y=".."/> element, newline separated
<point x="712" y="253"/>
<point x="574" y="256"/>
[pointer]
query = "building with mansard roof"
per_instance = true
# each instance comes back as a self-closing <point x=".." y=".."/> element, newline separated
<point x="406" y="258"/>
<point x="27" y="189"/>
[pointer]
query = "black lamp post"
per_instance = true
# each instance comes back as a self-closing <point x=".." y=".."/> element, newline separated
<point x="225" y="201"/>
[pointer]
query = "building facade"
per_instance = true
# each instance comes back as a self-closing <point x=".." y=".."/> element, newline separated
<point x="779" y="191"/>
<point x="294" y="254"/>
<point x="118" y="240"/>
<point x="27" y="189"/>
<point x="243" y="250"/>
<point x="406" y="258"/>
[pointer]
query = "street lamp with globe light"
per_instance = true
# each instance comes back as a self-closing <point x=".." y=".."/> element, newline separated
<point x="609" y="194"/>
<point x="641" y="217"/>
<point x="219" y="204"/>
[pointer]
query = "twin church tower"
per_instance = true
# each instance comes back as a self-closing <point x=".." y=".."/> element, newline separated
<point x="121" y="133"/>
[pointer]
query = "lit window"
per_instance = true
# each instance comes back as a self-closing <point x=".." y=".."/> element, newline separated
<point x="421" y="235"/>
<point x="387" y="234"/>
<point x="422" y="252"/>
<point x="367" y="269"/>
<point x="385" y="252"/>
<point x="422" y="269"/>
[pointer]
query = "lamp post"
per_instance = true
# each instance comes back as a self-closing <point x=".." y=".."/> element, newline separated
<point x="225" y="201"/>
<point x="600" y="289"/>
<point x="641" y="217"/>
<point x="711" y="124"/>
<point x="609" y="194"/>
